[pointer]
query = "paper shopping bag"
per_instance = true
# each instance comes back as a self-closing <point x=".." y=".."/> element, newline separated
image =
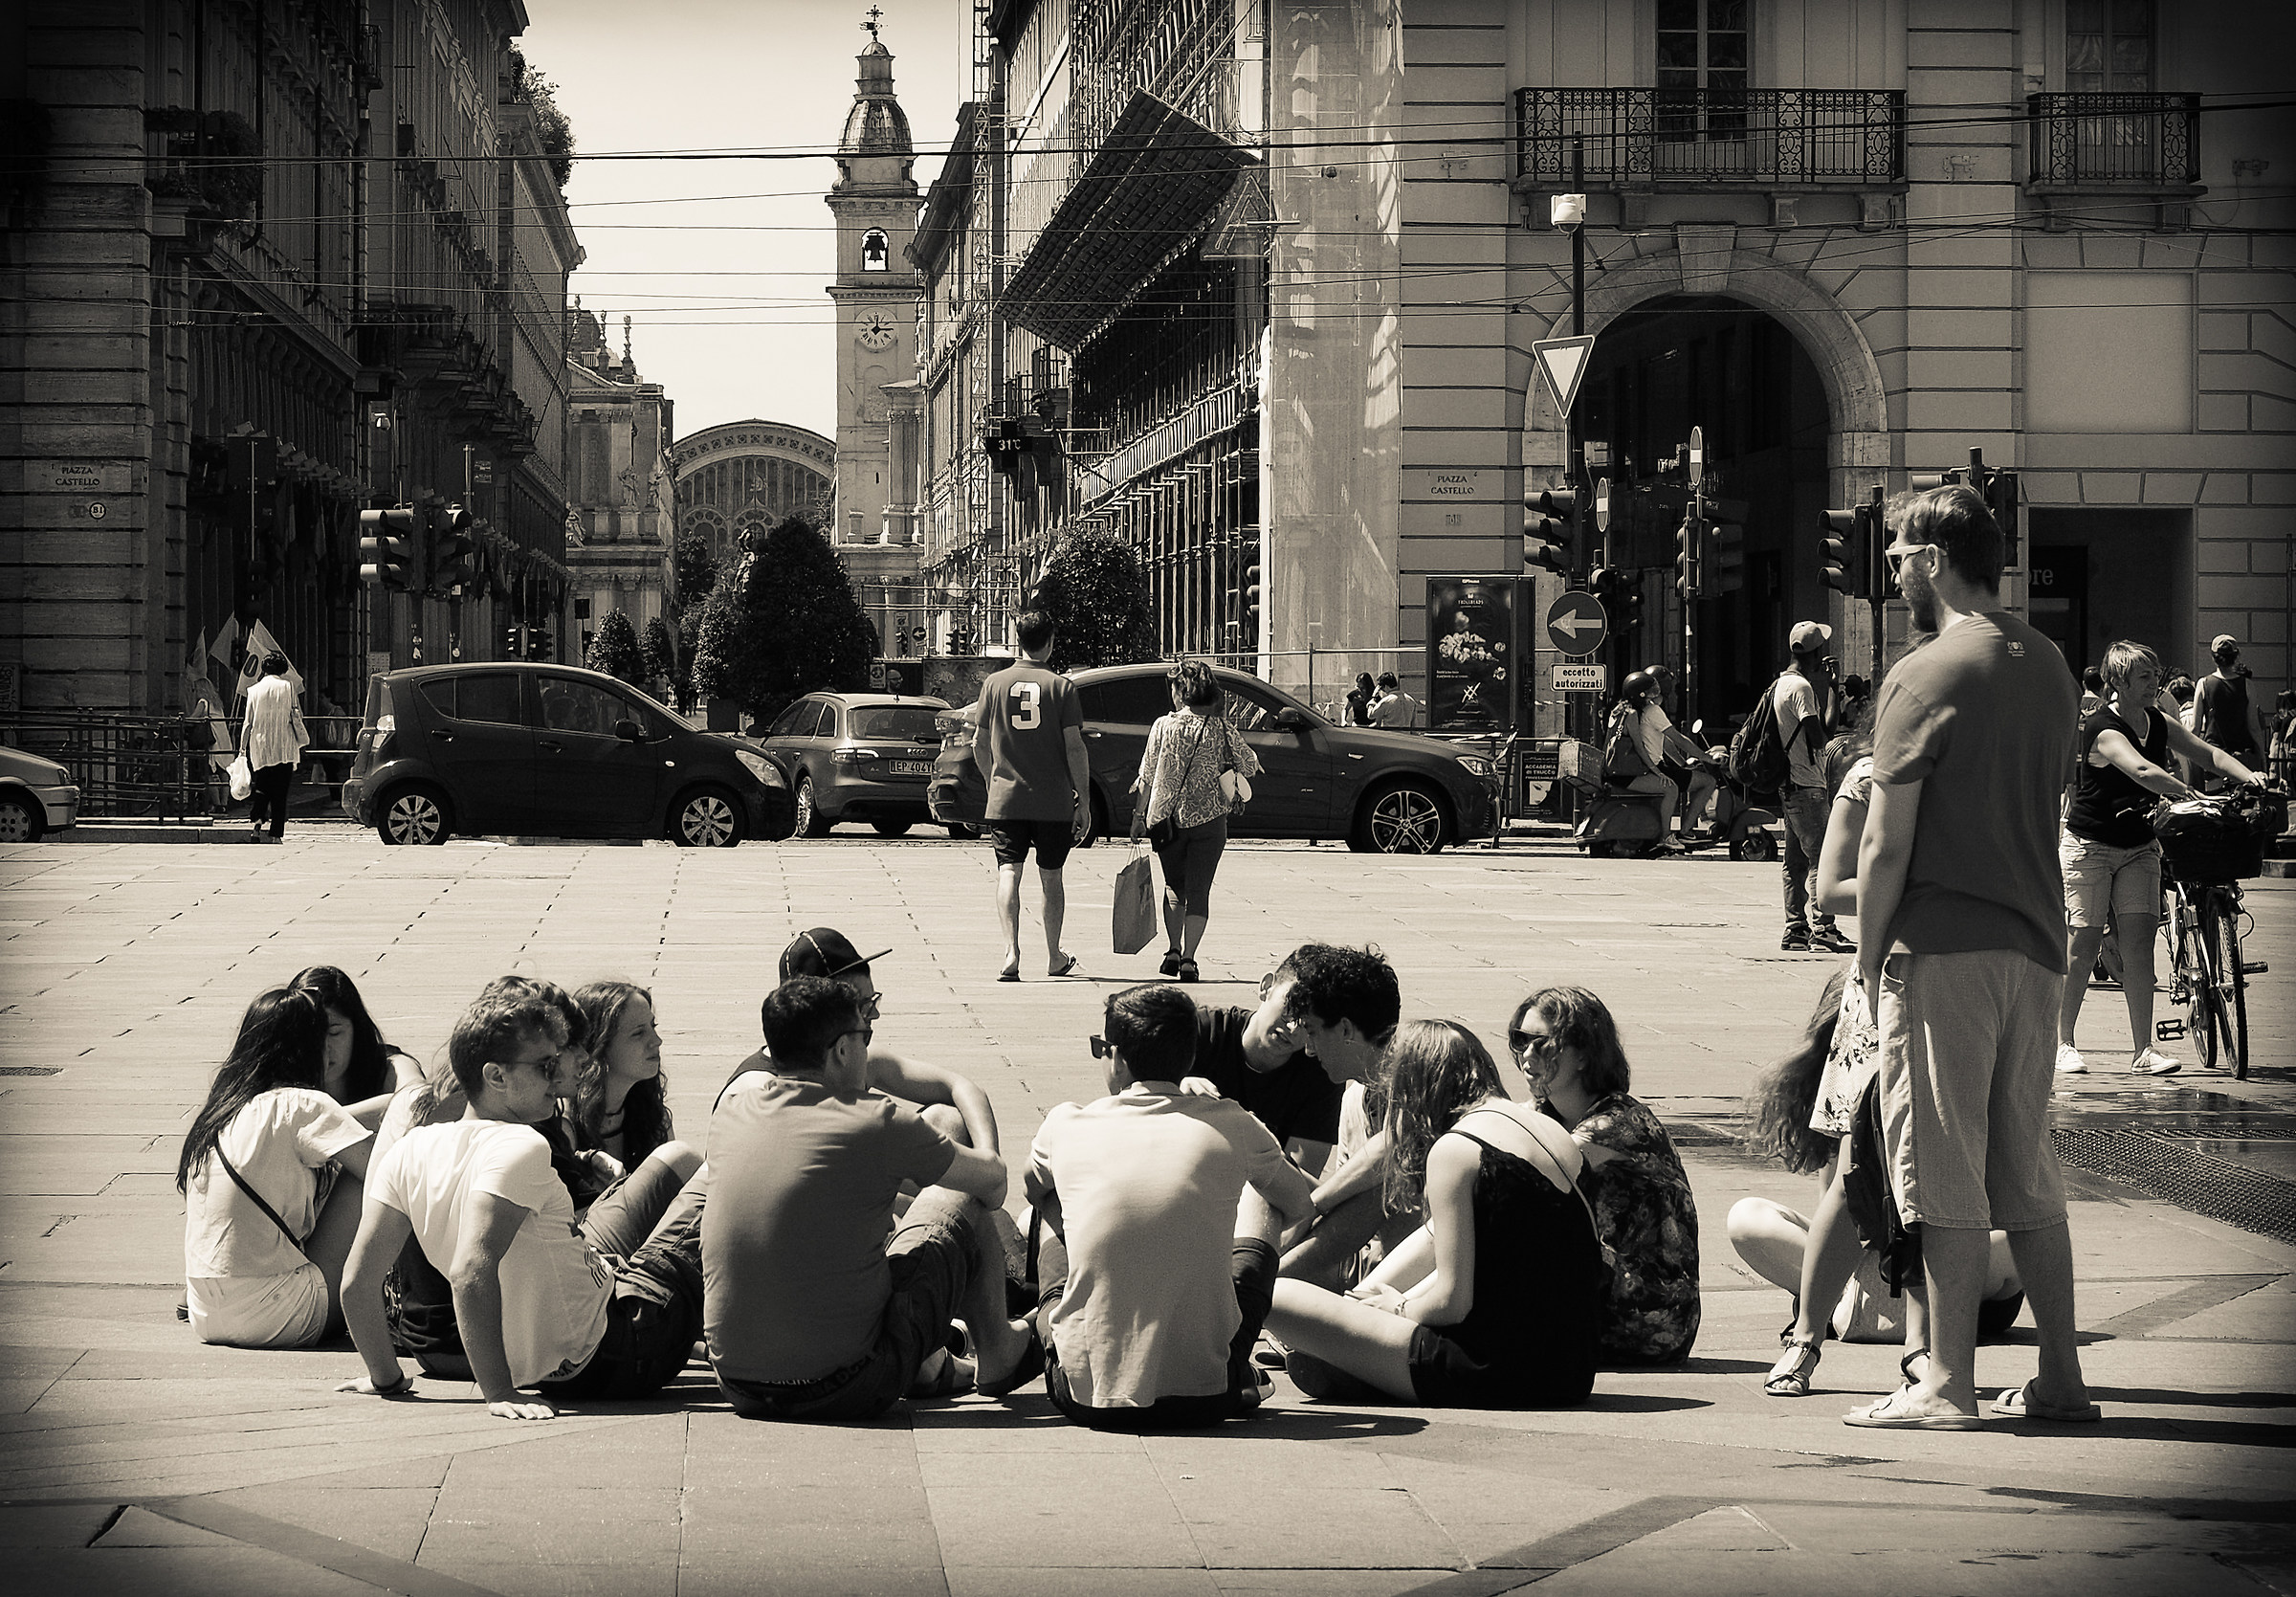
<point x="1134" y="920"/>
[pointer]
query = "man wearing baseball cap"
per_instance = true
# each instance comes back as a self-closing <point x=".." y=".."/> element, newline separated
<point x="1802" y="699"/>
<point x="2224" y="716"/>
<point x="951" y="1103"/>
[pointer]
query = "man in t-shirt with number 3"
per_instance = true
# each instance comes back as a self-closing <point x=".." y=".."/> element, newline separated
<point x="1030" y="745"/>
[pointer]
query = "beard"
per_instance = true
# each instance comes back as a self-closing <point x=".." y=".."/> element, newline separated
<point x="1921" y="598"/>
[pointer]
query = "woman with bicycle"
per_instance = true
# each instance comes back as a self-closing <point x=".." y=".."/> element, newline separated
<point x="2112" y="862"/>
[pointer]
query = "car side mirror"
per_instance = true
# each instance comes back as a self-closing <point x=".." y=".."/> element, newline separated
<point x="1289" y="719"/>
<point x="629" y="731"/>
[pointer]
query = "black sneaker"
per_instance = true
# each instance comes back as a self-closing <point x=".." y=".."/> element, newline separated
<point x="1794" y="941"/>
<point x="1831" y="940"/>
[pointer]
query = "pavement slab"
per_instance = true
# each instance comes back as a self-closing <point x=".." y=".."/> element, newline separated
<point x="139" y="1460"/>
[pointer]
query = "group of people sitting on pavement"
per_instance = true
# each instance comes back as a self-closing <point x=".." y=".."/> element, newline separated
<point x="1361" y="1188"/>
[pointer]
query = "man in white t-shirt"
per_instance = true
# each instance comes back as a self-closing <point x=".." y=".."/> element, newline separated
<point x="1394" y="708"/>
<point x="609" y="1308"/>
<point x="1803" y="699"/>
<point x="1156" y="1267"/>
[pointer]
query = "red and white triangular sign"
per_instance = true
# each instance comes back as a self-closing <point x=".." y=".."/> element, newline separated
<point x="1563" y="361"/>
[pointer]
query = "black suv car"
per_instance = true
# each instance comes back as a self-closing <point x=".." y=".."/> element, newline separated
<point x="551" y="750"/>
<point x="1389" y="792"/>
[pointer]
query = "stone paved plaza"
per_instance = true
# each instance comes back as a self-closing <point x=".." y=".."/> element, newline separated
<point x="139" y="1461"/>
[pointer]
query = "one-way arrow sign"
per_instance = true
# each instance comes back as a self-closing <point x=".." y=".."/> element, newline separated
<point x="1577" y="623"/>
<point x="1563" y="361"/>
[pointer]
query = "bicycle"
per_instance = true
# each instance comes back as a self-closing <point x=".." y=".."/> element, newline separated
<point x="2207" y="972"/>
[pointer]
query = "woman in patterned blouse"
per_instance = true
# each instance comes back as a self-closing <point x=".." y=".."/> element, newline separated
<point x="1568" y="1046"/>
<point x="1180" y="781"/>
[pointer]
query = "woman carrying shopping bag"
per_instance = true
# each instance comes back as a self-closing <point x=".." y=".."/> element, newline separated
<point x="1196" y="769"/>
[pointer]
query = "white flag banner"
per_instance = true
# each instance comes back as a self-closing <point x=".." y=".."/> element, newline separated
<point x="220" y="651"/>
<point x="260" y="645"/>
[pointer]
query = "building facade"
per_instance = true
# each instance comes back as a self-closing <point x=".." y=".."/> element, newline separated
<point x="1850" y="243"/>
<point x="269" y="265"/>
<point x="623" y="517"/>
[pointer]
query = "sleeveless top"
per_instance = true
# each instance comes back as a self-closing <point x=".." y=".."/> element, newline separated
<point x="1539" y="1283"/>
<point x="2110" y="806"/>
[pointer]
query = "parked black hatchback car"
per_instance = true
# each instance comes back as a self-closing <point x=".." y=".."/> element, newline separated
<point x="551" y="750"/>
<point x="1385" y="792"/>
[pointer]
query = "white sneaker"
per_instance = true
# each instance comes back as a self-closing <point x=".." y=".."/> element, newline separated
<point x="2153" y="1062"/>
<point x="2069" y="1061"/>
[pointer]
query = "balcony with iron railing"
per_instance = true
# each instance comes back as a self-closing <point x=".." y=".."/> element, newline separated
<point x="2091" y="147"/>
<point x="1674" y="139"/>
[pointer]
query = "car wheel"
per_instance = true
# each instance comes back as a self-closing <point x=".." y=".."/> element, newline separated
<point x="19" y="821"/>
<point x="1758" y="846"/>
<point x="1406" y="818"/>
<point x="891" y="829"/>
<point x="811" y="822"/>
<point x="706" y="819"/>
<point x="414" y="816"/>
<point x="961" y="833"/>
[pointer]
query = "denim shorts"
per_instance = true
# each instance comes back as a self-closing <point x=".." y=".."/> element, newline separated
<point x="2101" y="880"/>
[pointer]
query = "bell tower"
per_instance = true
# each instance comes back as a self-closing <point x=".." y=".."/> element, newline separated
<point x="875" y="201"/>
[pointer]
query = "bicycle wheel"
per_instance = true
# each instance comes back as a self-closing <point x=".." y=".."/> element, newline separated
<point x="2195" y="969"/>
<point x="2232" y="1005"/>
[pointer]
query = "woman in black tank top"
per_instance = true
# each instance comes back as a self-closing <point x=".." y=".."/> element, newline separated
<point x="2111" y="864"/>
<point x="1495" y="1303"/>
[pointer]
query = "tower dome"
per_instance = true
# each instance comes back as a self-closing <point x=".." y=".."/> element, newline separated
<point x="875" y="124"/>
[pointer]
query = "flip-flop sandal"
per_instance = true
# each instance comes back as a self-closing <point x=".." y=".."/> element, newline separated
<point x="1012" y="975"/>
<point x="1031" y="1366"/>
<point x="1068" y="969"/>
<point x="1884" y="1416"/>
<point x="2020" y="1404"/>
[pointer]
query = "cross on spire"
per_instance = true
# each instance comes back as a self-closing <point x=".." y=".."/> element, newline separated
<point x="871" y="26"/>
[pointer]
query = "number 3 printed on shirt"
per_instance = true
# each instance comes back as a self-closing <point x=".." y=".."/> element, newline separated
<point x="1024" y="712"/>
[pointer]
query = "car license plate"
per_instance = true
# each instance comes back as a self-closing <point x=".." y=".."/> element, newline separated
<point x="913" y="768"/>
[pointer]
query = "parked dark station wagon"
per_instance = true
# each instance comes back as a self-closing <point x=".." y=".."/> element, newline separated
<point x="551" y="750"/>
<point x="857" y="757"/>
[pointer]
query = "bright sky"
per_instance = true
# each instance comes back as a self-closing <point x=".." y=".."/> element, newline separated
<point x="723" y="263"/>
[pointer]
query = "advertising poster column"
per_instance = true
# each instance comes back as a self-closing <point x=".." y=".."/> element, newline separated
<point x="1471" y="654"/>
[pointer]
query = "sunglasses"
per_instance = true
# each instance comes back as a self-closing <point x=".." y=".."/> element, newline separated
<point x="865" y="1033"/>
<point x="548" y="1064"/>
<point x="1101" y="1047"/>
<point x="1520" y="1043"/>
<point x="1897" y="557"/>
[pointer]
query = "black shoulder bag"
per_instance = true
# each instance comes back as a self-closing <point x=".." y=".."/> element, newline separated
<point x="256" y="1198"/>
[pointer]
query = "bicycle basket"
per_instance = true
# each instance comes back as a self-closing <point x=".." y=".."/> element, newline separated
<point x="2218" y="839"/>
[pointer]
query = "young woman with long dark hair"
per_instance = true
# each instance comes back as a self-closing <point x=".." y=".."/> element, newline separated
<point x="362" y="1071"/>
<point x="264" y="1250"/>
<point x="621" y="1106"/>
<point x="1497" y="1301"/>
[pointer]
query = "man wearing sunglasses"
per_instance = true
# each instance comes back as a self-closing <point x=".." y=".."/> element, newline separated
<point x="815" y="1305"/>
<point x="1961" y="908"/>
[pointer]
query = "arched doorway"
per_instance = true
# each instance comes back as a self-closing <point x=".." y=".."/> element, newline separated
<point x="1790" y="399"/>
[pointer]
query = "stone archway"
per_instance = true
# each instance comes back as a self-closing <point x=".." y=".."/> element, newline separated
<point x="1707" y="261"/>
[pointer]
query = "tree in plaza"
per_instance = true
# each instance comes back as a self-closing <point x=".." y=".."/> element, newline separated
<point x="658" y="654"/>
<point x="614" y="650"/>
<point x="1097" y="594"/>
<point x="696" y="566"/>
<point x="782" y="621"/>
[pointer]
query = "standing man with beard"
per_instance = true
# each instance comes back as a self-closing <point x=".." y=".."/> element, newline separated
<point x="1961" y="904"/>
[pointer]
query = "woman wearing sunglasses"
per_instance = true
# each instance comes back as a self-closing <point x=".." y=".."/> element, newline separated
<point x="1496" y="1301"/>
<point x="1568" y="1045"/>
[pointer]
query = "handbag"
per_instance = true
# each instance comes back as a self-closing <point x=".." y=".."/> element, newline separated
<point x="1162" y="833"/>
<point x="1131" y="921"/>
<point x="243" y="780"/>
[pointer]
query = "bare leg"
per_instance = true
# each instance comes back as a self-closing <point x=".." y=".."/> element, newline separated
<point x="1323" y="1254"/>
<point x="1702" y="792"/>
<point x="1370" y="1344"/>
<point x="998" y="1343"/>
<point x="1829" y="1260"/>
<point x="329" y="1246"/>
<point x="2136" y="978"/>
<point x="2045" y="1262"/>
<point x="1056" y="907"/>
<point x="1770" y="1239"/>
<point x="1008" y="913"/>
<point x="2081" y="953"/>
<point x="1172" y="916"/>
<point x="1953" y="1263"/>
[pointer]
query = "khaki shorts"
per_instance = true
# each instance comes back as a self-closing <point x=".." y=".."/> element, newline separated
<point x="2101" y="882"/>
<point x="1968" y="1061"/>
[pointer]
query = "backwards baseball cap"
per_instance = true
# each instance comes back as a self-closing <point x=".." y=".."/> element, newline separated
<point x="1809" y="636"/>
<point x="2222" y="642"/>
<point x="826" y="953"/>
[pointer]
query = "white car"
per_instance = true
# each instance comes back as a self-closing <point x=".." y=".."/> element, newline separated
<point x="37" y="796"/>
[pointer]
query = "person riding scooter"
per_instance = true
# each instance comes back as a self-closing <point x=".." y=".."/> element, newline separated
<point x="1633" y="751"/>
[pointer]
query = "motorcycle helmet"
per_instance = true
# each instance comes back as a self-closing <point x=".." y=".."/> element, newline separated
<point x="1637" y="688"/>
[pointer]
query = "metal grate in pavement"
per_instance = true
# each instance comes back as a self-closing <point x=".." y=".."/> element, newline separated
<point x="31" y="1070"/>
<point x="2187" y="1178"/>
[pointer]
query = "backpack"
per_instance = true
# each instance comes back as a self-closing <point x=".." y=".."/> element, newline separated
<point x="1757" y="756"/>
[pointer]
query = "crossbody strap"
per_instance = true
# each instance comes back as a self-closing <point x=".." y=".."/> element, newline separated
<point x="1544" y="1161"/>
<point x="256" y="1198"/>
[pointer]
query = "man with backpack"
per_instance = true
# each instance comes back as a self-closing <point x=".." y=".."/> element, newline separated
<point x="1801" y="704"/>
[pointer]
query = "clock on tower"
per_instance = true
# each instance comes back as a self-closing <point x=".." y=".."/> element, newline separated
<point x="875" y="330"/>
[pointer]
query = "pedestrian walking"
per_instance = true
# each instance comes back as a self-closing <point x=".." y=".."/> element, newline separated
<point x="1030" y="745"/>
<point x="1802" y="699"/>
<point x="2224" y="713"/>
<point x="276" y="740"/>
<point x="1961" y="900"/>
<point x="2111" y="860"/>
<point x="1396" y="709"/>
<point x="1182" y="805"/>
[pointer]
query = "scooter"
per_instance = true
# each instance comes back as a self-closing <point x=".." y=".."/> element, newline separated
<point x="1620" y="824"/>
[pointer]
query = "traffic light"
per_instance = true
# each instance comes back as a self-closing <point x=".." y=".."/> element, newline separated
<point x="1842" y="550"/>
<point x="1549" y="541"/>
<point x="1725" y="557"/>
<point x="1687" y="550"/>
<point x="1247" y="604"/>
<point x="1881" y="579"/>
<point x="1997" y="488"/>
<point x="1629" y="614"/>
<point x="1607" y="582"/>
<point x="960" y="639"/>
<point x="387" y="547"/>
<point x="453" y="551"/>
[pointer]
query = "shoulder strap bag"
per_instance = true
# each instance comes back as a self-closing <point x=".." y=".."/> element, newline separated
<point x="256" y="1198"/>
<point x="1160" y="833"/>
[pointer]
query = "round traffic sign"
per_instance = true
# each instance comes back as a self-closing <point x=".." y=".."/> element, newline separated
<point x="1577" y="623"/>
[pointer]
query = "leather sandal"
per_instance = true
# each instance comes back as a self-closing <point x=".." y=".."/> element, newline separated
<point x="1791" y="1376"/>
